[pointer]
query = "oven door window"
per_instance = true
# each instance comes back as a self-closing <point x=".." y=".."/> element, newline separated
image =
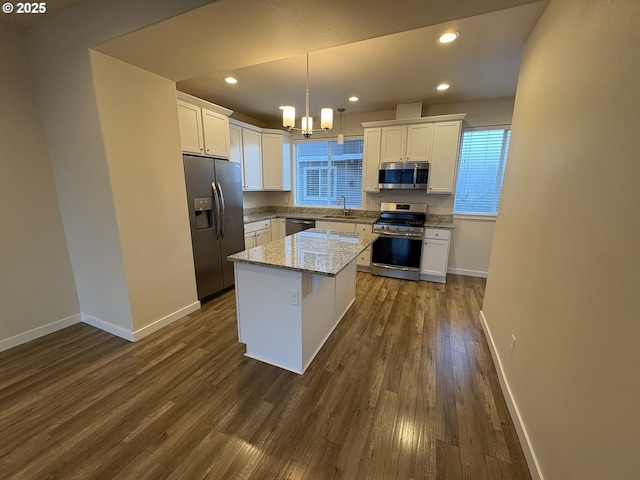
<point x="398" y="252"/>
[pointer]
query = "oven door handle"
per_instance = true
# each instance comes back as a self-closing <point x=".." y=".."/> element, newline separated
<point x="405" y="235"/>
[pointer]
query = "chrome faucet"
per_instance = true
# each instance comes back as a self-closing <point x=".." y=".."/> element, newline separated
<point x="345" y="212"/>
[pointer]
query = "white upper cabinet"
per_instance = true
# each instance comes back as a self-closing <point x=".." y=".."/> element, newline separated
<point x="265" y="156"/>
<point x="276" y="160"/>
<point x="252" y="158"/>
<point x="215" y="128"/>
<point x="204" y="126"/>
<point x="419" y="141"/>
<point x="426" y="139"/>
<point x="407" y="143"/>
<point x="444" y="157"/>
<point x="190" y="128"/>
<point x="393" y="145"/>
<point x="235" y="148"/>
<point x="371" y="159"/>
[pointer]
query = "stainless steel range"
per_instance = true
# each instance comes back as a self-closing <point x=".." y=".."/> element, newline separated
<point x="398" y="251"/>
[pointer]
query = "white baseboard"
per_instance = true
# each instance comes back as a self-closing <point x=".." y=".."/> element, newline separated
<point x="133" y="336"/>
<point x="527" y="448"/>
<point x="467" y="272"/>
<point x="163" y="322"/>
<point x="25" y="337"/>
<point x="107" y="327"/>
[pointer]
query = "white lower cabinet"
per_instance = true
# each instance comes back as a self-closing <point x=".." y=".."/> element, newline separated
<point x="277" y="228"/>
<point x="257" y="233"/>
<point x="337" y="226"/>
<point x="435" y="254"/>
<point x="363" y="261"/>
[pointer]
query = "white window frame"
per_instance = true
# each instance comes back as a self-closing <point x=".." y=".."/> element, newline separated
<point x="499" y="177"/>
<point x="333" y="172"/>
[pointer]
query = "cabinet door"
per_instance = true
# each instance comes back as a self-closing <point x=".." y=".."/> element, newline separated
<point x="371" y="159"/>
<point x="272" y="161"/>
<point x="190" y="121"/>
<point x="337" y="226"/>
<point x="235" y="148"/>
<point x="393" y="144"/>
<point x="263" y="236"/>
<point x="444" y="157"/>
<point x="435" y="255"/>
<point x="249" y="240"/>
<point x="215" y="127"/>
<point x="286" y="162"/>
<point x="364" y="259"/>
<point x="252" y="157"/>
<point x="419" y="142"/>
<point x="277" y="228"/>
<point x="363" y="228"/>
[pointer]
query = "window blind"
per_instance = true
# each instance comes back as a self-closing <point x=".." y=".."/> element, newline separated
<point x="324" y="170"/>
<point x="483" y="155"/>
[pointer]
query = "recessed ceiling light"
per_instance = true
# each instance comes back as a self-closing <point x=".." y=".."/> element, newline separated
<point x="449" y="37"/>
<point x="353" y="99"/>
<point x="231" y="80"/>
<point x="443" y="86"/>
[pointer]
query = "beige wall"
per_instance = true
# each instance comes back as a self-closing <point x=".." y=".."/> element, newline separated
<point x="37" y="291"/>
<point x="565" y="267"/>
<point x="59" y="54"/>
<point x="139" y="125"/>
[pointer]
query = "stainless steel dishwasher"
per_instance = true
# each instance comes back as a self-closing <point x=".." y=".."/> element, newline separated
<point x="294" y="225"/>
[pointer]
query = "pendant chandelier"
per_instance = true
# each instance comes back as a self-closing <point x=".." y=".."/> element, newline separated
<point x="289" y="115"/>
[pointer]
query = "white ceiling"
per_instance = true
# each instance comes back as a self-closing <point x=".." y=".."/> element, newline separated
<point x="384" y="52"/>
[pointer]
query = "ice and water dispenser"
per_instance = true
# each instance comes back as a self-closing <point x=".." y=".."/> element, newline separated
<point x="204" y="212"/>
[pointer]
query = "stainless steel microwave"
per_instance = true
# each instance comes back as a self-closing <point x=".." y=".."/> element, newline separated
<point x="403" y="175"/>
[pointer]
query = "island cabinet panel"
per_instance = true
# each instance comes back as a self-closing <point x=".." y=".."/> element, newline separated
<point x="282" y="314"/>
<point x="267" y="322"/>
<point x="345" y="291"/>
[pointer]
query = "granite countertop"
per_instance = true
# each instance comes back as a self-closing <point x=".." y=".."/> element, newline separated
<point x="256" y="217"/>
<point x="318" y="251"/>
<point x="432" y="221"/>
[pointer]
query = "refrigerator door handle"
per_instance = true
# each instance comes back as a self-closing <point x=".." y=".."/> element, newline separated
<point x="214" y="188"/>
<point x="222" y="209"/>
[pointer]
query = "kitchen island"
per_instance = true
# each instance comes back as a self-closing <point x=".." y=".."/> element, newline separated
<point x="291" y="293"/>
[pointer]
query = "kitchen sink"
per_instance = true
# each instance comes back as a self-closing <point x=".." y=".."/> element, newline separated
<point x="338" y="217"/>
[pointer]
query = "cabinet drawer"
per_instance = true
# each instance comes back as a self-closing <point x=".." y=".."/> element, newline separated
<point x="363" y="228"/>
<point x="438" y="233"/>
<point x="255" y="226"/>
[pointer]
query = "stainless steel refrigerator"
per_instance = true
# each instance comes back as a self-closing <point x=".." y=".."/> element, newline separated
<point x="214" y="195"/>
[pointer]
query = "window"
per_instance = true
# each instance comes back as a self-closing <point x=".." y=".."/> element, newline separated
<point x="324" y="170"/>
<point x="483" y="156"/>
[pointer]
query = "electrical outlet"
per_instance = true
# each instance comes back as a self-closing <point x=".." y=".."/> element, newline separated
<point x="513" y="344"/>
<point x="293" y="297"/>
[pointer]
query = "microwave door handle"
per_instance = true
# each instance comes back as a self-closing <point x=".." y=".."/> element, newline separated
<point x="415" y="174"/>
<point x="222" y="210"/>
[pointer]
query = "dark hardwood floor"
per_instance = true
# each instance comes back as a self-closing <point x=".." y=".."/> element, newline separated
<point x="404" y="388"/>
